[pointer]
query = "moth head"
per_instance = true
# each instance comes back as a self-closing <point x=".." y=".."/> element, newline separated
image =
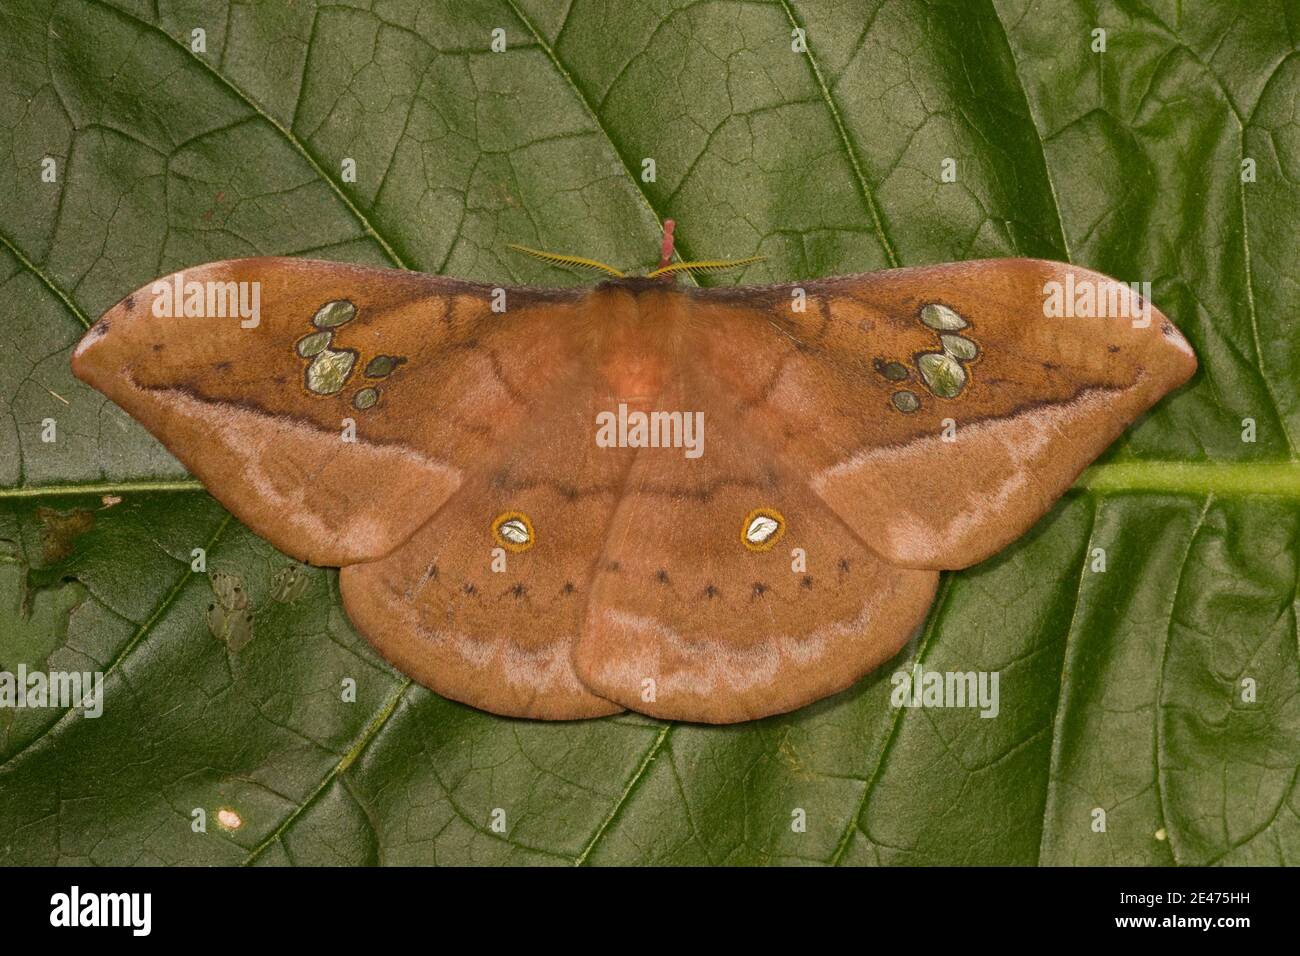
<point x="667" y="270"/>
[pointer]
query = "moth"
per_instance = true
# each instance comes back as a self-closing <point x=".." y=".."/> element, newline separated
<point x="437" y="440"/>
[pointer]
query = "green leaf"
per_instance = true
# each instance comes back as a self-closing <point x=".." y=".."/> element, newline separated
<point x="1120" y="691"/>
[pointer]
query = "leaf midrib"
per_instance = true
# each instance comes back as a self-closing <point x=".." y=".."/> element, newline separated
<point x="1268" y="479"/>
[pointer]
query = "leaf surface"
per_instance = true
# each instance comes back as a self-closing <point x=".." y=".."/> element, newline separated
<point x="1120" y="691"/>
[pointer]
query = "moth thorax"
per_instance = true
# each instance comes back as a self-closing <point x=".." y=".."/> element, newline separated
<point x="634" y="376"/>
<point x="631" y="361"/>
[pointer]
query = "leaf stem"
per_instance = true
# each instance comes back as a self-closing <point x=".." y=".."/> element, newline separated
<point x="101" y="488"/>
<point x="1222" y="479"/>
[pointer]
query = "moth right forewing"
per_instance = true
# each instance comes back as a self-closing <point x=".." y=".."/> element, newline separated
<point x="940" y="410"/>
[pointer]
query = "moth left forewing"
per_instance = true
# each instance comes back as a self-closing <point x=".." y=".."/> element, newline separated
<point x="939" y="411"/>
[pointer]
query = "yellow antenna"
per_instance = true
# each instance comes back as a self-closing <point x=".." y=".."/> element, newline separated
<point x="558" y="259"/>
<point x="704" y="265"/>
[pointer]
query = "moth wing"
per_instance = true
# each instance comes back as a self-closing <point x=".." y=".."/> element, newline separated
<point x="938" y="444"/>
<point x="339" y="454"/>
<point x="690" y="620"/>
<point x="492" y="620"/>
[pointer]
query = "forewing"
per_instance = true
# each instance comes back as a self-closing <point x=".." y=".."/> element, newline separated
<point x="938" y="446"/>
<point x="335" y="448"/>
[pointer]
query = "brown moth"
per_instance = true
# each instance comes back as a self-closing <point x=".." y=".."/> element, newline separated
<point x="707" y="504"/>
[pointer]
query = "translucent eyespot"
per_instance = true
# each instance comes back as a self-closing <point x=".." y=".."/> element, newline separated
<point x="381" y="366"/>
<point x="941" y="318"/>
<point x="333" y="314"/>
<point x="762" y="529"/>
<point x="314" y="343"/>
<point x="513" y="531"/>
<point x="942" y="373"/>
<point x="329" y="371"/>
<point x="893" y="371"/>
<point x="959" y="347"/>
<point x="906" y="402"/>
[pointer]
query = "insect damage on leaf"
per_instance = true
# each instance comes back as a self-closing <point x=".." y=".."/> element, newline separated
<point x="290" y="583"/>
<point x="35" y="608"/>
<point x="229" y="616"/>
<point x="60" y="530"/>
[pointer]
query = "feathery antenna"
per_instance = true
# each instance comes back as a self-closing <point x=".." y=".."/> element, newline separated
<point x="666" y="267"/>
<point x="704" y="265"/>
<point x="558" y="259"/>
